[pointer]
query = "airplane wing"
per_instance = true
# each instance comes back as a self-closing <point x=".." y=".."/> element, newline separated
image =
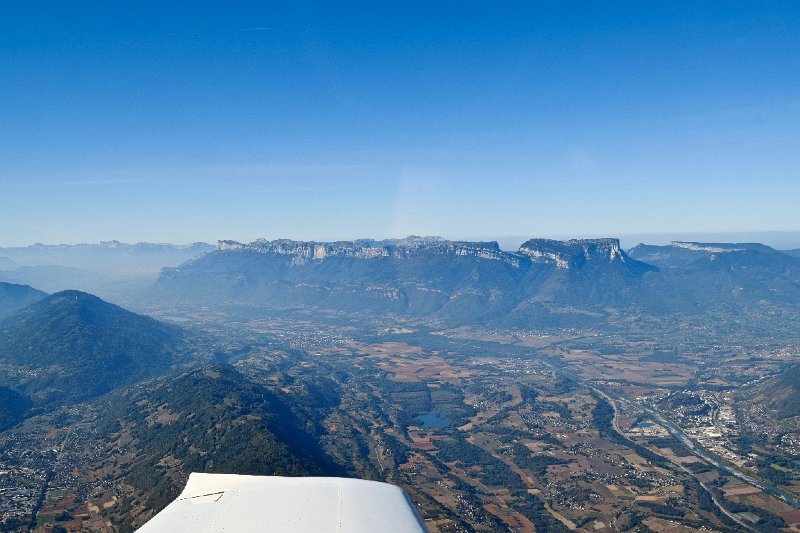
<point x="227" y="502"/>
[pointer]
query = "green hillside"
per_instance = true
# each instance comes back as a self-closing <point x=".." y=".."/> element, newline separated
<point x="782" y="393"/>
<point x="210" y="419"/>
<point x="14" y="297"/>
<point x="13" y="407"/>
<point x="73" y="346"/>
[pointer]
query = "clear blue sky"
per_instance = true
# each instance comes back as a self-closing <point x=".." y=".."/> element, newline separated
<point x="182" y="121"/>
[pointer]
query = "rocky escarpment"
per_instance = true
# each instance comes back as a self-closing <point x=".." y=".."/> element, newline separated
<point x="574" y="283"/>
<point x="544" y="282"/>
<point x="563" y="254"/>
<point x="301" y="252"/>
<point x="419" y="276"/>
<point x="573" y="253"/>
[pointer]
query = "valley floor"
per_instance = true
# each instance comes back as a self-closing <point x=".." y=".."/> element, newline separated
<point x="486" y="430"/>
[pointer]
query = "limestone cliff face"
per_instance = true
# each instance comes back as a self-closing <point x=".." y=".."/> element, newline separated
<point x="573" y="253"/>
<point x="569" y="254"/>
<point x="302" y="252"/>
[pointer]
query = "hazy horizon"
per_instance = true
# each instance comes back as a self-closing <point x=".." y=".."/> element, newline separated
<point x="776" y="239"/>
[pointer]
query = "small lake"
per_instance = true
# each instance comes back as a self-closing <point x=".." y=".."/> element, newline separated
<point x="435" y="419"/>
<point x="179" y="319"/>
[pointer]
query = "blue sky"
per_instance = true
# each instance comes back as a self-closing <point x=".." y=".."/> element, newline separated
<point x="184" y="121"/>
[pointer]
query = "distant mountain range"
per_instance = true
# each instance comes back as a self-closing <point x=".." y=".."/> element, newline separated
<point x="104" y="256"/>
<point x="111" y="269"/>
<point x="72" y="346"/>
<point x="544" y="282"/>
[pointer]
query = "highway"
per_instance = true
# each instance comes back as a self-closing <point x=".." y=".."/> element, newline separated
<point x="679" y="434"/>
<point x="613" y="403"/>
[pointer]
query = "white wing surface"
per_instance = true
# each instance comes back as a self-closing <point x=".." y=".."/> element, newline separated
<point x="226" y="502"/>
